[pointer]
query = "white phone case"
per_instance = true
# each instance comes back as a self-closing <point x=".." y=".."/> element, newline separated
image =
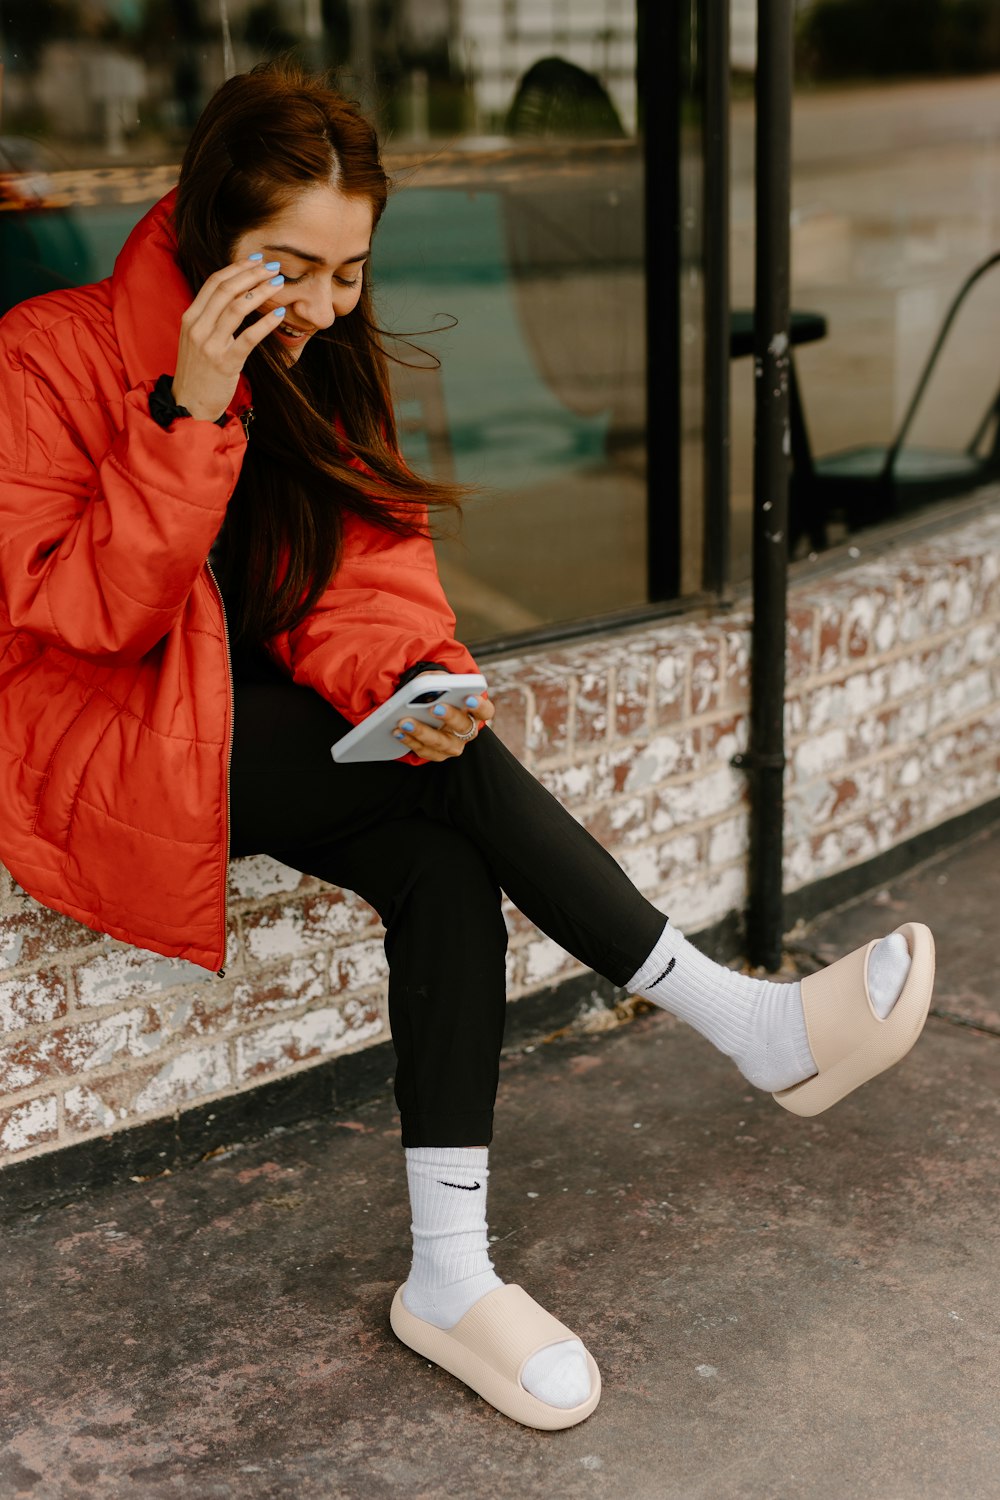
<point x="374" y="738"/>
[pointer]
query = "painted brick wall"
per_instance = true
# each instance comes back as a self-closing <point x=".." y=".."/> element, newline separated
<point x="893" y="714"/>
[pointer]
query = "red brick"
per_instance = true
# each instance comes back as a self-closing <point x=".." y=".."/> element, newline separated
<point x="707" y="686"/>
<point x="30" y="1123"/>
<point x="334" y="913"/>
<point x="33" y="932"/>
<point x="322" y="914"/>
<point x="257" y="877"/>
<point x="642" y="765"/>
<point x="801" y="641"/>
<point x="296" y="983"/>
<point x="623" y="821"/>
<point x="511" y="719"/>
<point x="869" y="622"/>
<point x="548" y="730"/>
<point x="98" y="1105"/>
<point x="736" y="687"/>
<point x="78" y="1048"/>
<point x="632" y="697"/>
<point x="723" y="739"/>
<point x="321" y="1032"/>
<point x="33" y="998"/>
<point x="670" y="664"/>
<point x="830" y="627"/>
<point x="591" y="717"/>
<point x="120" y="974"/>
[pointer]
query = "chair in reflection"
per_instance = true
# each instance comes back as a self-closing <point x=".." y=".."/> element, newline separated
<point x="574" y="227"/>
<point x="875" y="482"/>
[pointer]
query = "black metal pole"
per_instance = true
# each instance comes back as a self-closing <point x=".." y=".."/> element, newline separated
<point x="715" y="219"/>
<point x="658" y="76"/>
<point x="766" y="758"/>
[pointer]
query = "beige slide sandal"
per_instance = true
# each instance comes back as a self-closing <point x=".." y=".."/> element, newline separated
<point x="489" y="1347"/>
<point x="848" y="1040"/>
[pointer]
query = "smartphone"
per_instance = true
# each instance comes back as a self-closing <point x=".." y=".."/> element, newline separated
<point x="374" y="738"/>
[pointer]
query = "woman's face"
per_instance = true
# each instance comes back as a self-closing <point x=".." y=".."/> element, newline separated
<point x="321" y="241"/>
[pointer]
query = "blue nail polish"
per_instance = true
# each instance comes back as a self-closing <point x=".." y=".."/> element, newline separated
<point x="278" y="312"/>
<point x="277" y="281"/>
<point x="440" y="710"/>
<point x="397" y="736"/>
<point x="272" y="265"/>
<point x="255" y="256"/>
<point x="408" y="726"/>
<point x="472" y="702"/>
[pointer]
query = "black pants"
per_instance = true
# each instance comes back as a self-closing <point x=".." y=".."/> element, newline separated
<point x="430" y="848"/>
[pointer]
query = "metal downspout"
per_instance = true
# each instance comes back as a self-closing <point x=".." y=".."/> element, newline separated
<point x="715" y="54"/>
<point x="765" y="758"/>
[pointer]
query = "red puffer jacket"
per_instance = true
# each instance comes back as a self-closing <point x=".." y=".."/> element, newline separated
<point x="115" y="689"/>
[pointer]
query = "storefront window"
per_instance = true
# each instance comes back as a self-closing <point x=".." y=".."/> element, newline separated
<point x="895" y="204"/>
<point x="515" y="233"/>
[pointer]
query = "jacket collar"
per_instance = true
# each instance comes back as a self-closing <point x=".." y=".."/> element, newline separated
<point x="149" y="293"/>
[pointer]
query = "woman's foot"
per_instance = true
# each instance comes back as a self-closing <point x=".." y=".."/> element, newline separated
<point x="452" y="1271"/>
<point x="758" y="1023"/>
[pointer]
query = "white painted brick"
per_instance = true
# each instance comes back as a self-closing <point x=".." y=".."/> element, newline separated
<point x="707" y="797"/>
<point x="696" y="903"/>
<point x="543" y="960"/>
<point x="728" y="841"/>
<point x="317" y="1033"/>
<point x="276" y="935"/>
<point x="906" y="676"/>
<point x="258" y="875"/>
<point x="660" y="758"/>
<point x="961" y="698"/>
<point x="86" y="1111"/>
<point x="568" y="783"/>
<point x="185" y="1076"/>
<point x="910" y="771"/>
<point x="362" y="965"/>
<point x="642" y="866"/>
<point x="826" y="752"/>
<point x="959" y="598"/>
<point x="123" y="974"/>
<point x="27" y="1123"/>
<point x="28" y="1000"/>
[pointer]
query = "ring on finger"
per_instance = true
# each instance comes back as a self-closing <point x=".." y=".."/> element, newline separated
<point x="471" y="732"/>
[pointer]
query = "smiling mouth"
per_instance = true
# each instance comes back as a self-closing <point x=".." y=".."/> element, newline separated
<point x="293" y="333"/>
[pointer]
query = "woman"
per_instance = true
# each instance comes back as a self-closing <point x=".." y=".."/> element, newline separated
<point x="224" y="392"/>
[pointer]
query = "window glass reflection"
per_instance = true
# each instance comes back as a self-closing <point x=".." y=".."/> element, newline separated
<point x="515" y="234"/>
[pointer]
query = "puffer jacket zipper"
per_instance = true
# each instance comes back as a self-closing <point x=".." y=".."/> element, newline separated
<point x="229" y="759"/>
<point x="246" y="417"/>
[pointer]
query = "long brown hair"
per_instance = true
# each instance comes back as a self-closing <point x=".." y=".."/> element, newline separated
<point x="263" y="137"/>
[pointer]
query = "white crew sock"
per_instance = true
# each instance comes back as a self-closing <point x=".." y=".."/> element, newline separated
<point x="452" y="1269"/>
<point x="760" y="1024"/>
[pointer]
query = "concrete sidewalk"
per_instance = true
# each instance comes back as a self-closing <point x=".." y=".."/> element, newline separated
<point x="780" y="1307"/>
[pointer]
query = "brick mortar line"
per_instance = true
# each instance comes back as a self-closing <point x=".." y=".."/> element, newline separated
<point x="957" y="811"/>
<point x="794" y="740"/>
<point x="887" y="753"/>
<point x="128" y="1062"/>
<point x="56" y="1089"/>
<point x="113" y="1008"/>
<point x="804" y="687"/>
<point x="72" y="959"/>
<point x="587" y="755"/>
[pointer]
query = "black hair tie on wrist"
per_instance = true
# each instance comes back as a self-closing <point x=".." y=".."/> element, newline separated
<point x="164" y="409"/>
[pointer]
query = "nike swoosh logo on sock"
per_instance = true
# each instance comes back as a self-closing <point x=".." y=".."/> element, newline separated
<point x="463" y="1185"/>
<point x="664" y="974"/>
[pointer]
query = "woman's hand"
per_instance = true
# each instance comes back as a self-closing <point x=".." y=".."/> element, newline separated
<point x="440" y="743"/>
<point x="209" y="358"/>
